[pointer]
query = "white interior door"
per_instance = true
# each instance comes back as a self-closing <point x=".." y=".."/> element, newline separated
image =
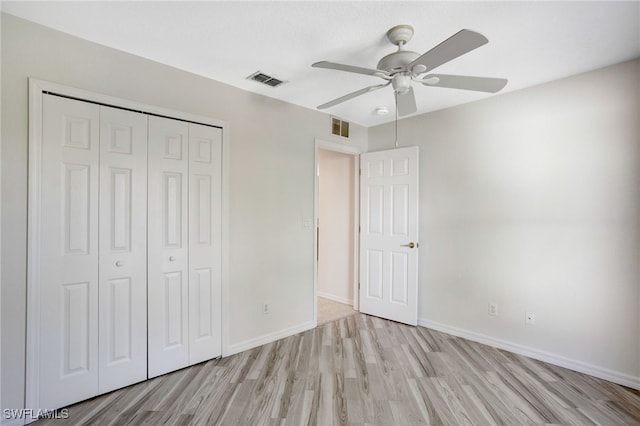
<point x="123" y="249"/>
<point x="389" y="234"/>
<point x="68" y="254"/>
<point x="205" y="242"/>
<point x="168" y="263"/>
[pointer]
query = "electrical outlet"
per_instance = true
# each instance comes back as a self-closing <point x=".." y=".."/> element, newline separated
<point x="265" y="308"/>
<point x="530" y="318"/>
<point x="493" y="309"/>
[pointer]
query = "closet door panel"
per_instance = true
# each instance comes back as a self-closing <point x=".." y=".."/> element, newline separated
<point x="205" y="183"/>
<point x="68" y="249"/>
<point x="123" y="248"/>
<point x="168" y="292"/>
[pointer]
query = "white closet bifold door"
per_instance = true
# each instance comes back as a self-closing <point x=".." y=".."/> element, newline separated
<point x="168" y="263"/>
<point x="123" y="249"/>
<point x="205" y="177"/>
<point x="68" y="252"/>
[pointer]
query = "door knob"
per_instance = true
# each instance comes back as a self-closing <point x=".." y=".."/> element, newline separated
<point x="119" y="263"/>
<point x="410" y="245"/>
<point x="172" y="258"/>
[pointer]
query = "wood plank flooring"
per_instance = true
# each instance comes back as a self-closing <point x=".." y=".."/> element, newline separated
<point x="364" y="370"/>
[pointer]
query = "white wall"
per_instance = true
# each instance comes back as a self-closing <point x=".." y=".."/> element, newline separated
<point x="336" y="195"/>
<point x="531" y="200"/>
<point x="271" y="181"/>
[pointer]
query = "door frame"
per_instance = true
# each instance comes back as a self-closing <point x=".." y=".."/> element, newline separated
<point x="37" y="88"/>
<point x="355" y="152"/>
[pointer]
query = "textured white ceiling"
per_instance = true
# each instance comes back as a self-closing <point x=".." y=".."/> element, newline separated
<point x="529" y="42"/>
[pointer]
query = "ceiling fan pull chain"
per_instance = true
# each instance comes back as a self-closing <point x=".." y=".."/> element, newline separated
<point x="396" y="96"/>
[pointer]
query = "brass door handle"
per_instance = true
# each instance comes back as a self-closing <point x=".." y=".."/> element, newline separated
<point x="410" y="245"/>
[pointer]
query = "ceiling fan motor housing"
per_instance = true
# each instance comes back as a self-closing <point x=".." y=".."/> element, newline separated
<point x="397" y="61"/>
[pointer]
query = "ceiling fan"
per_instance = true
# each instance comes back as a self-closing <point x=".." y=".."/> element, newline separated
<point x="402" y="67"/>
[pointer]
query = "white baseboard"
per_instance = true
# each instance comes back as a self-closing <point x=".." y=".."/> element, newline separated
<point x="335" y="298"/>
<point x="267" y="338"/>
<point x="561" y="361"/>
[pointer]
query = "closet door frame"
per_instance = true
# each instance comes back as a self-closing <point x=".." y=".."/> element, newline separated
<point x="37" y="88"/>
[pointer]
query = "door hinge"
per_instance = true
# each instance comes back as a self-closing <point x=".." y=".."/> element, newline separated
<point x="358" y="285"/>
<point x="360" y="171"/>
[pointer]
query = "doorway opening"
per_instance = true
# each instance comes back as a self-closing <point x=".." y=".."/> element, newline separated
<point x="337" y="221"/>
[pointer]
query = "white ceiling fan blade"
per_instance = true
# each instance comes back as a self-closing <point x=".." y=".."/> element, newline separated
<point x="465" y="82"/>
<point x="350" y="68"/>
<point x="406" y="102"/>
<point x="352" y="95"/>
<point x="458" y="44"/>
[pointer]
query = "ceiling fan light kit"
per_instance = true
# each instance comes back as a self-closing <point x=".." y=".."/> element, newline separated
<point x="403" y="67"/>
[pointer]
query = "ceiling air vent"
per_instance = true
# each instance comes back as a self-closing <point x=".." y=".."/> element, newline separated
<point x="263" y="78"/>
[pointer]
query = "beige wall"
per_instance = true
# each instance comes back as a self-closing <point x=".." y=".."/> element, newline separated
<point x="271" y="179"/>
<point x="531" y="200"/>
<point x="336" y="196"/>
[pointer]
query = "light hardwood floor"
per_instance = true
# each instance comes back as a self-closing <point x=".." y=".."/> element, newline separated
<point x="364" y="370"/>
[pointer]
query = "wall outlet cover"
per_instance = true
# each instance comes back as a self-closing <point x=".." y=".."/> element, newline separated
<point x="493" y="309"/>
<point x="530" y="318"/>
